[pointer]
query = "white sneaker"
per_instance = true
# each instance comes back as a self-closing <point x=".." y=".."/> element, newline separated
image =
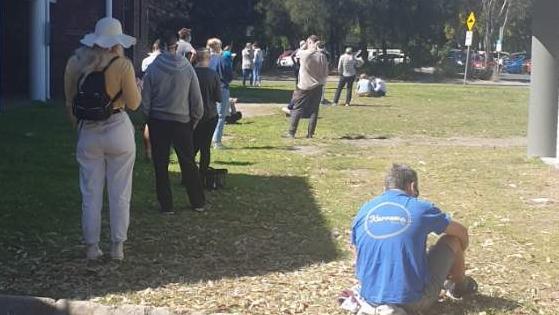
<point x="93" y="252"/>
<point x="219" y="146"/>
<point x="117" y="251"/>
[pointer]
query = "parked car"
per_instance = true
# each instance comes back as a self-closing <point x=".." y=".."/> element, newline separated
<point x="517" y="63"/>
<point x="391" y="59"/>
<point x="456" y="59"/>
<point x="482" y="68"/>
<point x="285" y="60"/>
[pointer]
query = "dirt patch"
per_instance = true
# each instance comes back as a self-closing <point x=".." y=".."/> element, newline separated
<point x="307" y="150"/>
<point x="256" y="110"/>
<point x="372" y="141"/>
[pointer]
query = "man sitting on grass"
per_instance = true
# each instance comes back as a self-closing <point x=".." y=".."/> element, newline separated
<point x="392" y="265"/>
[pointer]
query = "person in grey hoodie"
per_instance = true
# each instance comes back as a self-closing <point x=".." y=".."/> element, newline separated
<point x="172" y="103"/>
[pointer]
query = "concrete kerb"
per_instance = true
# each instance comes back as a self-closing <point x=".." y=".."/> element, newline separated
<point x="29" y="305"/>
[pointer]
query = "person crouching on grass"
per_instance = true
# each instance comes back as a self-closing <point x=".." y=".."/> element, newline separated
<point x="173" y="106"/>
<point x="389" y="235"/>
<point x="364" y="86"/>
<point x="210" y="87"/>
<point x="106" y="149"/>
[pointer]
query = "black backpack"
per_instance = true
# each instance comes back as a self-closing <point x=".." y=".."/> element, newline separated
<point x="92" y="101"/>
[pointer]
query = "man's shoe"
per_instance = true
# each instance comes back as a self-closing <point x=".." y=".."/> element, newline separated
<point x="457" y="291"/>
<point x="334" y="104"/>
<point x="117" y="251"/>
<point x="168" y="212"/>
<point x="199" y="209"/>
<point x="347" y="105"/>
<point x="288" y="136"/>
<point x="93" y="252"/>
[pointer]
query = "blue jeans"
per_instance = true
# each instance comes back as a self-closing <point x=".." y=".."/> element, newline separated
<point x="222" y="111"/>
<point x="247" y="75"/>
<point x="256" y="72"/>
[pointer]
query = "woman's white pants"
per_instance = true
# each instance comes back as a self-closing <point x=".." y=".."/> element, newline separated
<point x="106" y="151"/>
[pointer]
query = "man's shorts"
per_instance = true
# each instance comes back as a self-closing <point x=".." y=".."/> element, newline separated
<point x="440" y="259"/>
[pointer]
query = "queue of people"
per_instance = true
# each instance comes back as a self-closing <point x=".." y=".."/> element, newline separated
<point x="185" y="109"/>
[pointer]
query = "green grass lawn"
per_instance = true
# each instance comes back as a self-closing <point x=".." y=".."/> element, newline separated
<point x="275" y="240"/>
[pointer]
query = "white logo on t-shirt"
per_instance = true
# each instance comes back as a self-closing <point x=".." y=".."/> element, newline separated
<point x="387" y="220"/>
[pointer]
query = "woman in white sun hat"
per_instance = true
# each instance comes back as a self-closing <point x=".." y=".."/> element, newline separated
<point x="106" y="149"/>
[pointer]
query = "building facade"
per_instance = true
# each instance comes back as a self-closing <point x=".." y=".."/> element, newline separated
<point x="38" y="37"/>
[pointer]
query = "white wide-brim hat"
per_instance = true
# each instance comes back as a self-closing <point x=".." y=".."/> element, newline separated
<point x="108" y="33"/>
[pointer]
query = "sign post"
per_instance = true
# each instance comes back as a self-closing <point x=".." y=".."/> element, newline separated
<point x="470" y="22"/>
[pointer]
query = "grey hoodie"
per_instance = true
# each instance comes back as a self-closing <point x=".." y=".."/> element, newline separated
<point x="171" y="90"/>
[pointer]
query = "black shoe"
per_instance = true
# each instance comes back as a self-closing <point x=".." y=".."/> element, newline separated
<point x="458" y="291"/>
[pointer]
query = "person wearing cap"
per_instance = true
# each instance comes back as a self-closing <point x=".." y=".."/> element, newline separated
<point x="247" y="64"/>
<point x="184" y="48"/>
<point x="225" y="72"/>
<point x="306" y="98"/>
<point x="172" y="103"/>
<point x="106" y="149"/>
<point x="347" y="69"/>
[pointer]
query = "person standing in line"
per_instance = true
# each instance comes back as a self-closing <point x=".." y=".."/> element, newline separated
<point x="210" y="88"/>
<point x="257" y="62"/>
<point x="106" y="149"/>
<point x="145" y="64"/>
<point x="247" y="64"/>
<point x="347" y="69"/>
<point x="173" y="106"/>
<point x="225" y="72"/>
<point x="305" y="102"/>
<point x="184" y="48"/>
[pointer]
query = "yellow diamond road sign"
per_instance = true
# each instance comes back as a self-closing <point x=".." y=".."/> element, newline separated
<point x="471" y="21"/>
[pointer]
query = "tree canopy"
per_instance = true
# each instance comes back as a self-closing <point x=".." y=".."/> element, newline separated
<point x="419" y="27"/>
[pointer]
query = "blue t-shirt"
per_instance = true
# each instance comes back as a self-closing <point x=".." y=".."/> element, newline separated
<point x="390" y="235"/>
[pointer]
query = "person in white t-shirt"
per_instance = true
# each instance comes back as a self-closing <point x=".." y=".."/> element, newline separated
<point x="155" y="51"/>
<point x="184" y="48"/>
<point x="364" y="86"/>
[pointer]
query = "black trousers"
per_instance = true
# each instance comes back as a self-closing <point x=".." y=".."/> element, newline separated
<point x="163" y="134"/>
<point x="305" y="104"/>
<point x="341" y="84"/>
<point x="203" y="135"/>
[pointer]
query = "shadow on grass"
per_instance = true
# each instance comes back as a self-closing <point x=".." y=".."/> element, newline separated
<point x="236" y="163"/>
<point x="371" y="105"/>
<point x="269" y="147"/>
<point x="262" y="95"/>
<point x="257" y="225"/>
<point x="476" y="304"/>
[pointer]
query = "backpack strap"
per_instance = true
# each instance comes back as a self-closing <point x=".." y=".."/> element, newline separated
<point x="110" y="63"/>
<point x="119" y="94"/>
